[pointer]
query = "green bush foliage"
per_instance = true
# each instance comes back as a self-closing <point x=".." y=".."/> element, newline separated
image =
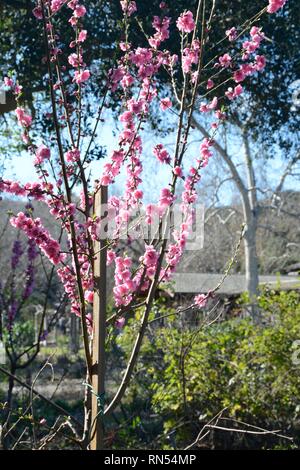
<point x="187" y="375"/>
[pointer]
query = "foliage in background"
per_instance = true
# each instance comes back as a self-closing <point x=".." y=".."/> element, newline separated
<point x="269" y="104"/>
<point x="250" y="370"/>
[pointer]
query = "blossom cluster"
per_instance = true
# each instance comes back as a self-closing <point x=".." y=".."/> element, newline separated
<point x="134" y="78"/>
<point x="35" y="231"/>
<point x="275" y="5"/>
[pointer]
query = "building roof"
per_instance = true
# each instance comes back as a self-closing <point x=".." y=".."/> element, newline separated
<point x="195" y="283"/>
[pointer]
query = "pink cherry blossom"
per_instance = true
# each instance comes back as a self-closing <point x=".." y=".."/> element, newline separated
<point x="166" y="198"/>
<point x="260" y="62"/>
<point x="205" y="108"/>
<point x="214" y="103"/>
<point x="135" y="107"/>
<point x="275" y="5"/>
<point x="231" y="34"/>
<point x="124" y="284"/>
<point x="35" y="231"/>
<point x="185" y="22"/>
<point x="234" y="93"/>
<point x="127" y="80"/>
<point x="82" y="36"/>
<point x="56" y="5"/>
<point x="200" y="300"/>
<point x="238" y="90"/>
<point x="72" y="155"/>
<point x="225" y="60"/>
<point x="89" y="296"/>
<point x="79" y="11"/>
<point x="8" y="82"/>
<point x="124" y="46"/>
<point x="177" y="171"/>
<point x="256" y="34"/>
<point x="38" y="13"/>
<point x="129" y="7"/>
<point x="239" y="76"/>
<point x="161" y="154"/>
<point x="150" y="257"/>
<point x="83" y="76"/>
<point x="111" y="256"/>
<point x="42" y="153"/>
<point x="126" y="117"/>
<point x="120" y="322"/>
<point x="75" y="60"/>
<point x="205" y="152"/>
<point x="161" y="25"/>
<point x="18" y="89"/>
<point x="138" y="194"/>
<point x="165" y="103"/>
<point x="72" y="4"/>
<point x="23" y="119"/>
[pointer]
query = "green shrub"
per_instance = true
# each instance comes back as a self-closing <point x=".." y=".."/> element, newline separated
<point x="190" y="375"/>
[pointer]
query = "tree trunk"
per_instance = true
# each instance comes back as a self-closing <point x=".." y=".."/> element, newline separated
<point x="250" y="214"/>
<point x="251" y="265"/>
<point x="248" y="193"/>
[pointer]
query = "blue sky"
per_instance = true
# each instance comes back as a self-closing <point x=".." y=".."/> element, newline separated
<point x="21" y="167"/>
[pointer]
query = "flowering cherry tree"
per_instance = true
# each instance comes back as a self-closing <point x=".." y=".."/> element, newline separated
<point x="62" y="164"/>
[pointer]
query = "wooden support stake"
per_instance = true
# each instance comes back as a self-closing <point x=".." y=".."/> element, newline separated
<point x="99" y="326"/>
